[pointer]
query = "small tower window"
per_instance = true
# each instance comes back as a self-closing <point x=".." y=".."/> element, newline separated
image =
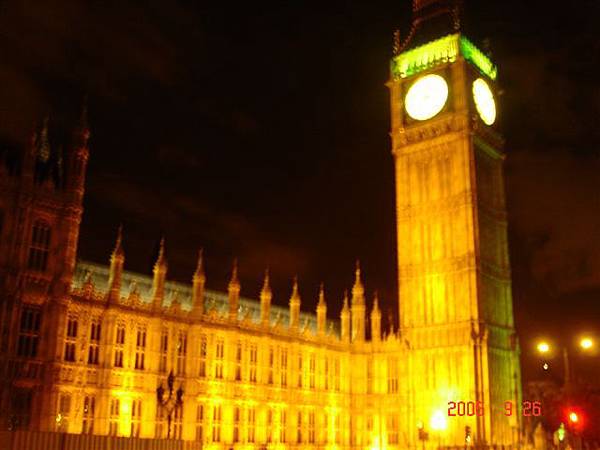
<point x="40" y="246"/>
<point x="94" y="347"/>
<point x="71" y="339"/>
<point x="181" y="352"/>
<point x="119" y="345"/>
<point x="29" y="332"/>
<point x="140" y="349"/>
<point x="164" y="348"/>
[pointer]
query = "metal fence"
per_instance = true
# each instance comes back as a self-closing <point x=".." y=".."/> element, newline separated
<point x="37" y="440"/>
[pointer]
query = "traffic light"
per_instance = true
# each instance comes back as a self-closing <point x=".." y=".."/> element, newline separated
<point x="575" y="419"/>
<point x="467" y="434"/>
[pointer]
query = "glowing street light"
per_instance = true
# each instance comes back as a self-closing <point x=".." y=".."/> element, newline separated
<point x="573" y="417"/>
<point x="439" y="422"/>
<point x="586" y="343"/>
<point x="543" y="347"/>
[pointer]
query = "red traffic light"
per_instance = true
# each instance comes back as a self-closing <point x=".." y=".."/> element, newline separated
<point x="575" y="418"/>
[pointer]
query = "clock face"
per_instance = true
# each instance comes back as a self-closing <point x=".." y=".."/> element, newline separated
<point x="426" y="97"/>
<point x="484" y="101"/>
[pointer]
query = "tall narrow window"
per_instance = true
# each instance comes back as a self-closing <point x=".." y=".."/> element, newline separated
<point x="269" y="430"/>
<point x="200" y="422"/>
<point x="284" y="367"/>
<point x="136" y="418"/>
<point x="181" y="352"/>
<point x="140" y="349"/>
<point x="338" y="429"/>
<point x="312" y="363"/>
<point x="29" y="332"/>
<point x="370" y="376"/>
<point x="94" y="346"/>
<point x="71" y="339"/>
<point x="64" y="412"/>
<point x="203" y="354"/>
<point x="219" y="355"/>
<point x="216" y="424"/>
<point x="392" y="376"/>
<point x="392" y="429"/>
<point x="21" y="405"/>
<point x="161" y="423"/>
<point x="236" y="424"/>
<point x="251" y="432"/>
<point x="311" y="427"/>
<point x="113" y="419"/>
<point x="299" y="428"/>
<point x="40" y="247"/>
<point x="253" y="363"/>
<point x="336" y="373"/>
<point x="300" y="370"/>
<point x="119" y="345"/>
<point x="326" y="372"/>
<point x="271" y="364"/>
<point x="282" y="426"/>
<point x="177" y="422"/>
<point x="164" y="351"/>
<point x="238" y="362"/>
<point x="89" y="408"/>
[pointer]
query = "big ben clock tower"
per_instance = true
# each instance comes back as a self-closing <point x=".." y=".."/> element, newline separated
<point x="455" y="299"/>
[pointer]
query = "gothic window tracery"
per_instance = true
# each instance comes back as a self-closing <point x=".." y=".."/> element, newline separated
<point x="39" y="248"/>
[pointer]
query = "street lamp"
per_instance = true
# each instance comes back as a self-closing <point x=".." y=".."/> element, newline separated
<point x="543" y="347"/>
<point x="586" y="343"/>
<point x="171" y="402"/>
<point x="439" y="423"/>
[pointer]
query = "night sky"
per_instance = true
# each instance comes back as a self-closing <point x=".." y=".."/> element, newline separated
<point x="259" y="130"/>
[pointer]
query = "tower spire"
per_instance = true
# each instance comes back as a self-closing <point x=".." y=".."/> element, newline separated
<point x="375" y="319"/>
<point x="295" y="306"/>
<point x="234" y="292"/>
<point x="321" y="312"/>
<point x="198" y="281"/>
<point x="265" y="300"/>
<point x="358" y="308"/>
<point x="160" y="276"/>
<point x="432" y="19"/>
<point x="43" y="147"/>
<point x="345" y="319"/>
<point x="117" y="261"/>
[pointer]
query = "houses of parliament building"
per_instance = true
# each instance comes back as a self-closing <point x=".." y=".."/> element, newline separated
<point x="90" y="348"/>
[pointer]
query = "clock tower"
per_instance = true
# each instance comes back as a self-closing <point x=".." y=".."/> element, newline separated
<point x="455" y="300"/>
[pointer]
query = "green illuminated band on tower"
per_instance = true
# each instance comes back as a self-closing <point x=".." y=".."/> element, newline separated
<point x="441" y="51"/>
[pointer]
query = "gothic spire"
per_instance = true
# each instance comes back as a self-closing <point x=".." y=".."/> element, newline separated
<point x="234" y="281"/>
<point x="199" y="273"/>
<point x="295" y="294"/>
<point x="161" y="260"/>
<point x="198" y="287"/>
<point x="266" y="289"/>
<point x="322" y="296"/>
<point x="234" y="292"/>
<point x="265" y="300"/>
<point x="43" y="144"/>
<point x="118" y="250"/>
<point x="358" y="289"/>
<point x="321" y="312"/>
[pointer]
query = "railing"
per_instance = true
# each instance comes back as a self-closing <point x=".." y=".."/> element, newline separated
<point x="36" y="440"/>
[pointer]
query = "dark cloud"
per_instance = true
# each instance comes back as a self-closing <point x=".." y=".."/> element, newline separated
<point x="261" y="132"/>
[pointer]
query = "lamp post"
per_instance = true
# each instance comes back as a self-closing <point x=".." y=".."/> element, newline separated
<point x="586" y="344"/>
<point x="171" y="401"/>
<point x="423" y="435"/>
<point x="439" y="423"/>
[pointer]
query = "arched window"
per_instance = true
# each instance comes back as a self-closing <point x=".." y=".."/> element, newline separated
<point x="40" y="246"/>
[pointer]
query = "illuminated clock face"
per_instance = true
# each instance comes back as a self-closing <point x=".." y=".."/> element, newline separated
<point x="426" y="97"/>
<point x="484" y="101"/>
